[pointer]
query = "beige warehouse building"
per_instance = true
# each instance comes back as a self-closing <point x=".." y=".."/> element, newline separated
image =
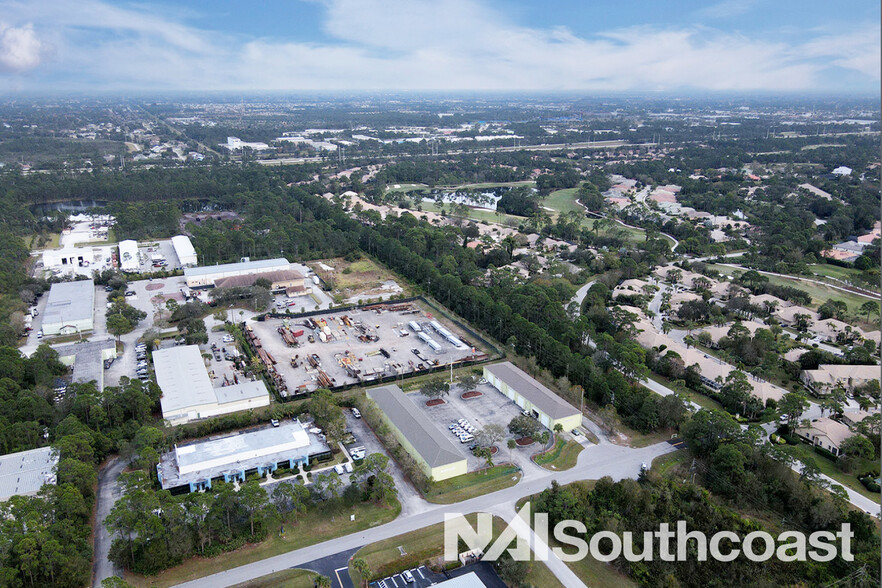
<point x="436" y="455"/>
<point x="530" y="395"/>
<point x="207" y="276"/>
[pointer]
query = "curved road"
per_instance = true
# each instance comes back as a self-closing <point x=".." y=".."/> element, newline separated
<point x="593" y="463"/>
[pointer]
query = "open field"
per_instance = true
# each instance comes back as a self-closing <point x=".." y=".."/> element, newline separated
<point x="406" y="187"/>
<point x="474" y="484"/>
<point x="562" y="457"/>
<point x="563" y="201"/>
<point x="479" y="214"/>
<point x="315" y="526"/>
<point x="427" y="545"/>
<point x="487" y="185"/>
<point x="363" y="279"/>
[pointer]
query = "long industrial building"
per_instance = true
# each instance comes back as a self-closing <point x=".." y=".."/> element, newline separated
<point x="70" y="308"/>
<point x="187" y="393"/>
<point x="184" y="250"/>
<point x="435" y="453"/>
<point x="530" y="395"/>
<point x="87" y="359"/>
<point x="128" y="256"/>
<point x="25" y="472"/>
<point x="232" y="456"/>
<point x="206" y="276"/>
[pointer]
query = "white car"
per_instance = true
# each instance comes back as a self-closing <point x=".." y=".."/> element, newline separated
<point x="339" y="469"/>
<point x="356" y="413"/>
<point x="408" y="577"/>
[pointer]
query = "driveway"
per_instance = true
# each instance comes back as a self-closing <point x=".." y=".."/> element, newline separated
<point x="108" y="493"/>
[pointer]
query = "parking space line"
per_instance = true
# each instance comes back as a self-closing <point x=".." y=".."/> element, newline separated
<point x="337" y="573"/>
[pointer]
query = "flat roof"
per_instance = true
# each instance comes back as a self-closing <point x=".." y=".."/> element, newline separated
<point x="25" y="472"/>
<point x="470" y="580"/>
<point x="183" y="246"/>
<point x="240" y="391"/>
<point x="70" y="302"/>
<point x="435" y="448"/>
<point x="235" y="267"/>
<point x="234" y="452"/>
<point x="88" y="362"/>
<point x="181" y="374"/>
<point x="539" y="396"/>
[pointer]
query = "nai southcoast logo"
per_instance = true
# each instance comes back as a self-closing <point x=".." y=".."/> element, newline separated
<point x="671" y="542"/>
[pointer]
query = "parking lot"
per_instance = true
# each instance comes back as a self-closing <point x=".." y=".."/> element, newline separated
<point x="492" y="407"/>
<point x="164" y="250"/>
<point x="360" y="346"/>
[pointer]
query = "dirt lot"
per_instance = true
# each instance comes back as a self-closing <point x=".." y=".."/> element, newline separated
<point x="365" y="359"/>
<point x="358" y="281"/>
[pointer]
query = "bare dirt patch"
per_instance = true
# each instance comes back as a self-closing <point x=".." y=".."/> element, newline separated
<point x="471" y="394"/>
<point x="524" y="441"/>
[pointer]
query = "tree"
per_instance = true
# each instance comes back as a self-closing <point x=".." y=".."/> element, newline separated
<point x="491" y="435"/>
<point x="791" y="406"/>
<point x="857" y="447"/>
<point x="486" y="453"/>
<point x="322" y="582"/>
<point x="468" y="381"/>
<point x="118" y="325"/>
<point x="513" y="572"/>
<point x="255" y="501"/>
<point x="707" y="429"/>
<point x="511" y="443"/>
<point x="362" y="569"/>
<point x="435" y="388"/>
<point x="870" y="307"/>
<point x="524" y="426"/>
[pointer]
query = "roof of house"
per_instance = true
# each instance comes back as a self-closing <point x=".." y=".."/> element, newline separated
<point x="833" y="373"/>
<point x="25" y="472"/>
<point x="835" y="431"/>
<point x="435" y="448"/>
<point x="538" y="395"/>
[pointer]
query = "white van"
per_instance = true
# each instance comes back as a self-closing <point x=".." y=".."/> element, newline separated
<point x="466" y="438"/>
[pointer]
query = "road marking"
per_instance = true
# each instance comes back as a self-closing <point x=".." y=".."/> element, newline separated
<point x="337" y="573"/>
<point x="420" y="572"/>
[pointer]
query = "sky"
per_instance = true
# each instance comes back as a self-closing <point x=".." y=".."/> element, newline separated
<point x="590" y="46"/>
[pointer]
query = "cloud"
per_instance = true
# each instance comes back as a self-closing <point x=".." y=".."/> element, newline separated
<point x="20" y="49"/>
<point x="419" y="45"/>
<point x="728" y="8"/>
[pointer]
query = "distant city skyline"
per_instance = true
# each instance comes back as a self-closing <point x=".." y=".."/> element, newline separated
<point x="94" y="46"/>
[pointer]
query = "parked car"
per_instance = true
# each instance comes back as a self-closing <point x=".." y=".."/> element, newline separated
<point x="356" y="413"/>
<point x="228" y="339"/>
<point x="408" y="577"/>
<point x="130" y="293"/>
<point x="274" y="422"/>
<point x="339" y="469"/>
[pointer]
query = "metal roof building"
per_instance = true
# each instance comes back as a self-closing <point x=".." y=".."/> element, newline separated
<point x="439" y="458"/>
<point x="87" y="358"/>
<point x="25" y="472"/>
<point x="207" y="275"/>
<point x="531" y="395"/>
<point x="128" y="256"/>
<point x="70" y="308"/>
<point x="184" y="250"/>
<point x="187" y="392"/>
<point x="231" y="455"/>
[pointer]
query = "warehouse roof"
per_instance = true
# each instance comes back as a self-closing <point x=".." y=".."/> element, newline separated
<point x="234" y="267"/>
<point x="539" y="396"/>
<point x="181" y="374"/>
<point x="183" y="246"/>
<point x="274" y="277"/>
<point x="25" y="472"/>
<point x="88" y="365"/>
<point x="435" y="448"/>
<point x="241" y="391"/>
<point x="70" y="302"/>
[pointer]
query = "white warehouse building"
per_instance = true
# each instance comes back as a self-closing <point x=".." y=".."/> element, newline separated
<point x="187" y="392"/>
<point x="201" y="277"/>
<point x="128" y="256"/>
<point x="184" y="250"/>
<point x="70" y="308"/>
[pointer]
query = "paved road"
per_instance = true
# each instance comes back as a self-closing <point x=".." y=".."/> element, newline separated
<point x="581" y="293"/>
<point x="593" y="463"/>
<point x="108" y="492"/>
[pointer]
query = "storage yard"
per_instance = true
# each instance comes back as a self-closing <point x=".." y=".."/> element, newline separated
<point x="355" y="346"/>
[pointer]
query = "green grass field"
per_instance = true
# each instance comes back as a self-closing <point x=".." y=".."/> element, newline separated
<point x="406" y="187"/>
<point x="563" y="201"/>
<point x="292" y="578"/>
<point x="487" y="185"/>
<point x="478" y="214"/>
<point x="562" y="457"/>
<point x="473" y="484"/>
<point x="313" y="527"/>
<point x="384" y="558"/>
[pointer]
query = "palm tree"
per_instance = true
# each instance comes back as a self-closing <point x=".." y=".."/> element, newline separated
<point x="361" y="568"/>
<point x="322" y="582"/>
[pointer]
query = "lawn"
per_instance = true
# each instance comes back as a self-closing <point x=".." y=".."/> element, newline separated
<point x="384" y="558"/>
<point x="45" y="241"/>
<point x="406" y="187"/>
<point x="562" y="457"/>
<point x="313" y="527"/>
<point x="630" y="234"/>
<point x="473" y="484"/>
<point x="801" y="451"/>
<point x="478" y="214"/>
<point x="563" y="201"/>
<point x="291" y="578"/>
<point x="669" y="464"/>
<point x="487" y="185"/>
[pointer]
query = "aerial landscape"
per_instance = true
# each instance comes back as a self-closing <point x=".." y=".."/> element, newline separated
<point x="467" y="293"/>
